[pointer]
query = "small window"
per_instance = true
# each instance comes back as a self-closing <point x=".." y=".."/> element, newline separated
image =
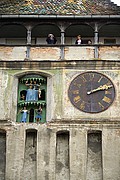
<point x="32" y="99"/>
<point x="109" y="41"/>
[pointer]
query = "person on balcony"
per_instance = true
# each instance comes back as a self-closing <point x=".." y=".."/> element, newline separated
<point x="89" y="42"/>
<point x="51" y="39"/>
<point x="79" y="40"/>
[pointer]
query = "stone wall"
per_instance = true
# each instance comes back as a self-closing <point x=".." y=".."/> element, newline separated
<point x="56" y="53"/>
<point x="109" y="53"/>
<point x="71" y="144"/>
<point x="12" y="53"/>
<point x="58" y="103"/>
<point x="91" y="154"/>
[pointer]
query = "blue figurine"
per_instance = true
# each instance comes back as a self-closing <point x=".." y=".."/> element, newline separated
<point x="36" y="91"/>
<point x="38" y="116"/>
<point x="24" y="117"/>
<point x="33" y="91"/>
<point x="29" y="95"/>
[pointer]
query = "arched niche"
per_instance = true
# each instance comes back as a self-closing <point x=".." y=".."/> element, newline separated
<point x="74" y="30"/>
<point x="62" y="132"/>
<point x="46" y="96"/>
<point x="23" y="94"/>
<point x="109" y="34"/>
<point x="30" y="157"/>
<point x="62" y="155"/>
<point x="31" y="106"/>
<point x="13" y="34"/>
<point x="94" y="155"/>
<point x="2" y="131"/>
<point x="2" y="153"/>
<point x="41" y="31"/>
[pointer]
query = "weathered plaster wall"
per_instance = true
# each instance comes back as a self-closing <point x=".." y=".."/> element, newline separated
<point x="79" y="53"/>
<point x="111" y="153"/>
<point x="12" y="53"/>
<point x="61" y="117"/>
<point x="50" y="150"/>
<point x="59" y="105"/>
<point x="8" y="100"/>
<point x="45" y="53"/>
<point x="21" y="53"/>
<point x="109" y="53"/>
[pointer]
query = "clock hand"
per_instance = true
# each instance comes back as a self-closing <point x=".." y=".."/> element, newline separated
<point x="104" y="87"/>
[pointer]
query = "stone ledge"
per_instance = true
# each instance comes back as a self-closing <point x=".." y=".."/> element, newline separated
<point x="70" y="64"/>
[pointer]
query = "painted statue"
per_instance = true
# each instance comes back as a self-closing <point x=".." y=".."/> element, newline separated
<point x="24" y="112"/>
<point x="36" y="91"/>
<point x="33" y="91"/>
<point x="38" y="117"/>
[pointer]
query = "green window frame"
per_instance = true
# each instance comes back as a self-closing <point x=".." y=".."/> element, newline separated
<point x="31" y="105"/>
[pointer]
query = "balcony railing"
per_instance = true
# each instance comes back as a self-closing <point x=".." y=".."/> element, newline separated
<point x="59" y="52"/>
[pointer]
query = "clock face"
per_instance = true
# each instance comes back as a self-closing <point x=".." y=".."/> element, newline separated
<point x="91" y="92"/>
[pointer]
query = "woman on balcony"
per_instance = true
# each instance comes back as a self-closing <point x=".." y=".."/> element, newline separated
<point x="79" y="40"/>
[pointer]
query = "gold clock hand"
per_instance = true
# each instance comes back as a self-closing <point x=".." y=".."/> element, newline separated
<point x="104" y="87"/>
<point x="94" y="90"/>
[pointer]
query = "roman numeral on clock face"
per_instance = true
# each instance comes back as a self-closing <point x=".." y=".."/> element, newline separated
<point x="91" y="92"/>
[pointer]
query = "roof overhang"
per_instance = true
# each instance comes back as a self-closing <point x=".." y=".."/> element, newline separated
<point x="29" y="16"/>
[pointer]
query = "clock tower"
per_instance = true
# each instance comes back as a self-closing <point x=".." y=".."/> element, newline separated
<point x="59" y="90"/>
